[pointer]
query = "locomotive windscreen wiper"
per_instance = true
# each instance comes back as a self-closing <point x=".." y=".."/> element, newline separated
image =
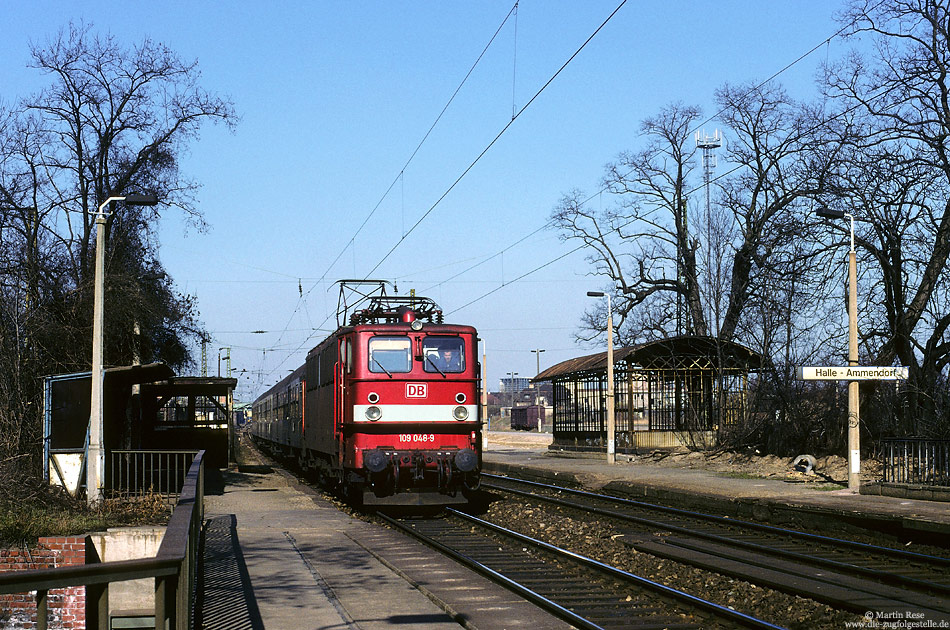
<point x="376" y="361"/>
<point x="432" y="363"/>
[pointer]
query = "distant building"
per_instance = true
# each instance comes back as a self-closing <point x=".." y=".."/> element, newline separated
<point x="513" y="385"/>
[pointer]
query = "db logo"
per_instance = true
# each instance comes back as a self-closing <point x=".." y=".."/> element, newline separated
<point x="416" y="390"/>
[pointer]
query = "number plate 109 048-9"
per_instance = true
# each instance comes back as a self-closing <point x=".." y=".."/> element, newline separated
<point x="417" y="438"/>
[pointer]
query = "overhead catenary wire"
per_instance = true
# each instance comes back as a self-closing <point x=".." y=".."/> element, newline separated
<point x="524" y="275"/>
<point x="514" y="64"/>
<point x="515" y="115"/>
<point x="398" y="178"/>
<point x="405" y="234"/>
<point x="495" y="139"/>
<point x="489" y="258"/>
<point x="591" y="197"/>
<point x="473" y="163"/>
<point x="824" y="42"/>
<point x="751" y="90"/>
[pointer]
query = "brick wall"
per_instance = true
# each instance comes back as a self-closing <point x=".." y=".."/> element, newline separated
<point x="66" y="606"/>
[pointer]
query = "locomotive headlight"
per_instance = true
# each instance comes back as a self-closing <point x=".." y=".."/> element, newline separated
<point x="373" y="413"/>
<point x="460" y="413"/>
<point x="416" y="325"/>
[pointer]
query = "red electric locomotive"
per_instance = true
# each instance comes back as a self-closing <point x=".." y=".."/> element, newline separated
<point x="384" y="408"/>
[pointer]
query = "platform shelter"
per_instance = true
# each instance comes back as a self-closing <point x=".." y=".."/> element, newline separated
<point x="679" y="391"/>
<point x="150" y="417"/>
<point x="193" y="411"/>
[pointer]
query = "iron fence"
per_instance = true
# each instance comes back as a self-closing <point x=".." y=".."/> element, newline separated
<point x="916" y="461"/>
<point x="143" y="473"/>
<point x="173" y="568"/>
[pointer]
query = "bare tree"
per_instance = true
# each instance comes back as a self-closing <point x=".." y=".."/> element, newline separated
<point x="897" y="181"/>
<point x="758" y="268"/>
<point x="651" y="249"/>
<point x="119" y="119"/>
<point x="781" y="157"/>
<point x="112" y="121"/>
<point x="642" y="245"/>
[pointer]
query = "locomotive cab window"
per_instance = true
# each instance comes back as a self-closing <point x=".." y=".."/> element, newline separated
<point x="390" y="354"/>
<point x="444" y="354"/>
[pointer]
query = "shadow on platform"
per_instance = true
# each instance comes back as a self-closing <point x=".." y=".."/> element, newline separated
<point x="225" y="598"/>
<point x="216" y="480"/>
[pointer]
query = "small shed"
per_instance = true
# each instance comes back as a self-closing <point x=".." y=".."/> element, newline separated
<point x="672" y="392"/>
<point x="146" y="408"/>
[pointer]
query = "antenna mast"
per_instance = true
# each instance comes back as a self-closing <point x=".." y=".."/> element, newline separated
<point x="708" y="145"/>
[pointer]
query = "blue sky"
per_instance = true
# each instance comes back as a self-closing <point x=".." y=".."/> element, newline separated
<point x="334" y="97"/>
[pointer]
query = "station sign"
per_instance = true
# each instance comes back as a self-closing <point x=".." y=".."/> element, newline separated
<point x="852" y="373"/>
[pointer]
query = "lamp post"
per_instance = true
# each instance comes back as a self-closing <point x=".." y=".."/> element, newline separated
<point x="611" y="421"/>
<point x="95" y="460"/>
<point x="854" y="402"/>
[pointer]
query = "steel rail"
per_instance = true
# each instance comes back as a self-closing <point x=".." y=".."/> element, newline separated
<point x="708" y="606"/>
<point x="553" y="607"/>
<point x="520" y="589"/>
<point x="899" y="553"/>
<point x="875" y="574"/>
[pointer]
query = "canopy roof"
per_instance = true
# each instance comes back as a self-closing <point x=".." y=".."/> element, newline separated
<point x="674" y="353"/>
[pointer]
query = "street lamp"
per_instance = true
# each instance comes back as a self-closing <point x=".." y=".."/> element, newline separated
<point x="854" y="403"/>
<point x="95" y="460"/>
<point x="611" y="421"/>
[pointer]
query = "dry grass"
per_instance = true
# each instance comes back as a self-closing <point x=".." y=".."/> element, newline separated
<point x="21" y="523"/>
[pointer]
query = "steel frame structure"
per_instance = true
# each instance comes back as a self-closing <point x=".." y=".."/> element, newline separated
<point x="683" y="384"/>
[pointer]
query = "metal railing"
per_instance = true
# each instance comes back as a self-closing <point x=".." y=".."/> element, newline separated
<point x="173" y="568"/>
<point x="144" y="473"/>
<point x="916" y="461"/>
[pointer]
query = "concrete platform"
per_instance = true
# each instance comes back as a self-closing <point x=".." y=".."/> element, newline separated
<point x="766" y="500"/>
<point x="278" y="556"/>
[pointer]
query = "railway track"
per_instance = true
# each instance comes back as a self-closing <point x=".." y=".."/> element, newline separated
<point x="843" y="574"/>
<point x="584" y="592"/>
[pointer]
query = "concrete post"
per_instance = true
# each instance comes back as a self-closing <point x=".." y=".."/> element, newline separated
<point x="854" y="401"/>
<point x="611" y="420"/>
<point x="95" y="463"/>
